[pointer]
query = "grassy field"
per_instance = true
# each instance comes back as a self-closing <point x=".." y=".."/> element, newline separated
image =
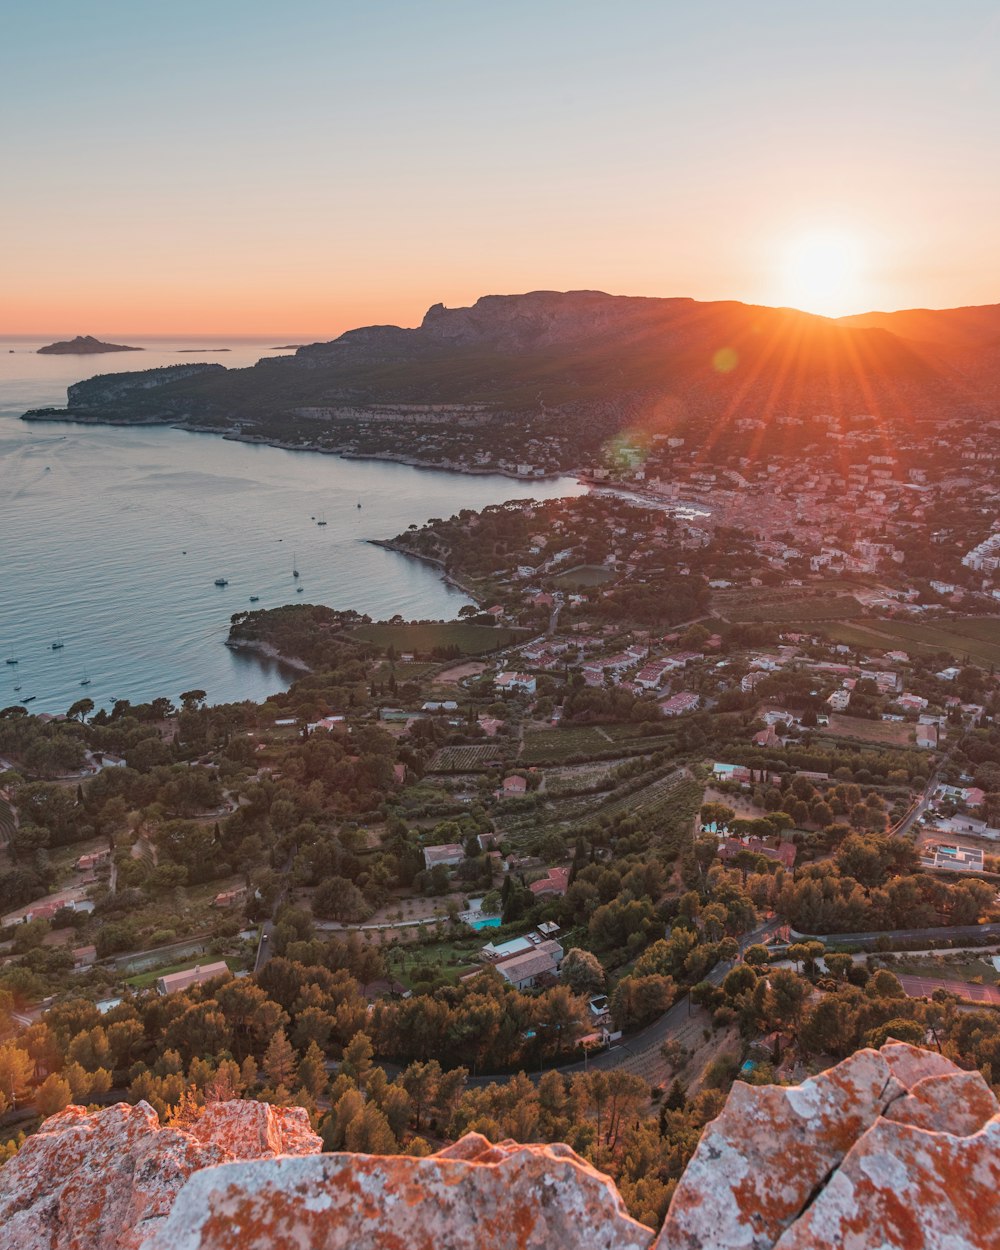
<point x="422" y="637"/>
<point x="449" y="959"/>
<point x="402" y="672"/>
<point x="584" y="576"/>
<point x="787" y="609"/>
<point x="975" y="637"/>
<point x="886" y="733"/>
<point x="465" y="759"/>
<point x="949" y="968"/>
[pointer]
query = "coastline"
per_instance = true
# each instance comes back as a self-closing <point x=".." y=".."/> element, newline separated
<point x="446" y="577"/>
<point x="41" y="415"/>
<point x="272" y="653"/>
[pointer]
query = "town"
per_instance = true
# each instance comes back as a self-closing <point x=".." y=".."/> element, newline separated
<point x="669" y="802"/>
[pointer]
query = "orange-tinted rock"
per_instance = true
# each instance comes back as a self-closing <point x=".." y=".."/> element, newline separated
<point x="959" y="1103"/>
<point x="255" y="1130"/>
<point x="910" y="1064"/>
<point x="502" y="1198"/>
<point x="760" y="1160"/>
<point x="903" y="1188"/>
<point x="895" y="1149"/>
<point x="103" y="1180"/>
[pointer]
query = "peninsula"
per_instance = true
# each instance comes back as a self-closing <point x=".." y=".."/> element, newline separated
<point x="84" y="345"/>
<point x="541" y="383"/>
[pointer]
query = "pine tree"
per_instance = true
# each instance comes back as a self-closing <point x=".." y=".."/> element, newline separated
<point x="279" y="1060"/>
<point x="312" y="1071"/>
<point x="676" y="1098"/>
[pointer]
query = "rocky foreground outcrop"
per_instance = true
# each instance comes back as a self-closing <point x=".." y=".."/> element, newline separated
<point x="894" y="1149"/>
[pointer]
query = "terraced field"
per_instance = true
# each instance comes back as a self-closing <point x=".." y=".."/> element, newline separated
<point x="667" y="804"/>
<point x="6" y="822"/>
<point x="578" y="743"/>
<point x="466" y="759"/>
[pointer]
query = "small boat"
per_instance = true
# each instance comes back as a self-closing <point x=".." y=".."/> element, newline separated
<point x="320" y="522"/>
<point x="295" y="571"/>
<point x="30" y="699"/>
<point x="58" y="644"/>
<point x="85" y="681"/>
<point x="11" y="659"/>
<point x="16" y="688"/>
<point x="299" y="589"/>
<point x="221" y="581"/>
<point x="359" y="503"/>
<point x="255" y="598"/>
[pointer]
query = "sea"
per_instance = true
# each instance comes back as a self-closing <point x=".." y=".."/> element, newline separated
<point x="112" y="538"/>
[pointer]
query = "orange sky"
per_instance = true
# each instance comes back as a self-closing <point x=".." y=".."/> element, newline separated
<point x="229" y="169"/>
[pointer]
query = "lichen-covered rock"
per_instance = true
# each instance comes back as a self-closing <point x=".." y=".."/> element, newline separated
<point x="904" y="1188"/>
<point x="256" y="1130"/>
<point x="959" y="1103"/>
<point x="505" y="1197"/>
<point x="102" y="1180"/>
<point x="896" y="1149"/>
<point x="760" y="1160"/>
<point x="910" y="1064"/>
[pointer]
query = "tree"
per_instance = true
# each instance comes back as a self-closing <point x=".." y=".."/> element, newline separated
<point x="357" y="1061"/>
<point x="312" y="1072"/>
<point x="80" y="710"/>
<point x="16" y="1071"/>
<point x="581" y="970"/>
<point x="279" y="1060"/>
<point x="53" y="1095"/>
<point x="757" y="956"/>
<point x="638" y="1000"/>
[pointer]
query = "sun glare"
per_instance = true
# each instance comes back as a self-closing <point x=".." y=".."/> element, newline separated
<point x="822" y="274"/>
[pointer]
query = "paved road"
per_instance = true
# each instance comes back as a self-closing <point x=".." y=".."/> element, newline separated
<point x="906" y="824"/>
<point x="640" y="1053"/>
<point x="924" y="987"/>
<point x="903" y="935"/>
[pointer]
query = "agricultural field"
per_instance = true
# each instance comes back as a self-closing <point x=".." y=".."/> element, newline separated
<point x="421" y="637"/>
<point x="787" y="608"/>
<point x="402" y="672"/>
<point x="648" y="802"/>
<point x="584" y="577"/>
<point x="587" y="742"/>
<point x="885" y="733"/>
<point x="566" y="781"/>
<point x="6" y="823"/>
<point x="976" y="638"/>
<point x="466" y="759"/>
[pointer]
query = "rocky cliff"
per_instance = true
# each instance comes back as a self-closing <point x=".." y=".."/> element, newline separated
<point x="894" y="1149"/>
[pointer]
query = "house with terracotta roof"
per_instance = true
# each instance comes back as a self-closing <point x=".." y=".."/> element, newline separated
<point x="511" y="787"/>
<point x="554" y="883"/>
<point x="448" y="853"/>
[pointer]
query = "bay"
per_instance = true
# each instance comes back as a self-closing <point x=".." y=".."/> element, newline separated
<point x="111" y="539"/>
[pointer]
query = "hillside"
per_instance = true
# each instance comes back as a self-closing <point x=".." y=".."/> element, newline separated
<point x="580" y="366"/>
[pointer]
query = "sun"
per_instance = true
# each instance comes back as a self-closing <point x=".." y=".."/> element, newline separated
<point x="822" y="273"/>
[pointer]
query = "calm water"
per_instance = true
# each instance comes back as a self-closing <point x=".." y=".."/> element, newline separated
<point x="111" y="539"/>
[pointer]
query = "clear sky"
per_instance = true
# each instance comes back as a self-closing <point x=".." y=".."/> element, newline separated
<point x="252" y="166"/>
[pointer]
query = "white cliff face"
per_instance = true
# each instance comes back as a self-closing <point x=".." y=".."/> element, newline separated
<point x="890" y="1150"/>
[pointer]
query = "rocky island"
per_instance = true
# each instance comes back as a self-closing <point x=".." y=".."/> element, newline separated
<point x="84" y="345"/>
